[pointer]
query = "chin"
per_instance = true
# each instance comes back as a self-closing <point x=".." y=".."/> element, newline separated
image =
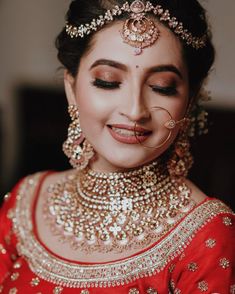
<point x="123" y="161"/>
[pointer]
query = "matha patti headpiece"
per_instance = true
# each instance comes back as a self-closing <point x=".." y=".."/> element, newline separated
<point x="139" y="30"/>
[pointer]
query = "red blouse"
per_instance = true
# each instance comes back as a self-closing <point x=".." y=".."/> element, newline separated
<point x="196" y="256"/>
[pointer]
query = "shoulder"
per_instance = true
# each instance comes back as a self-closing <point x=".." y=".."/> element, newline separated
<point x="208" y="258"/>
<point x="213" y="231"/>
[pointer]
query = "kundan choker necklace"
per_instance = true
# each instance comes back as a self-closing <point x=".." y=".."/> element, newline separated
<point x="106" y="212"/>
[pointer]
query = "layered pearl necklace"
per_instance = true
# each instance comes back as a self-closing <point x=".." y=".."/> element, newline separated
<point x="117" y="211"/>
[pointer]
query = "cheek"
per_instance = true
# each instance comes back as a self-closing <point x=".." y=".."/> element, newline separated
<point x="94" y="110"/>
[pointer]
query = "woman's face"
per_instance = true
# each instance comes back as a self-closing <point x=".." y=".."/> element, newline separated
<point x="116" y="90"/>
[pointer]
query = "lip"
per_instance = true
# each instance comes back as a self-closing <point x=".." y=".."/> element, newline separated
<point x="129" y="139"/>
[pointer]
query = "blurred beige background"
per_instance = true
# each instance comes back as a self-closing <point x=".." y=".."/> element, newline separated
<point x="27" y="55"/>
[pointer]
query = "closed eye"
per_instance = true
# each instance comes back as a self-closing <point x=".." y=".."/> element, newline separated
<point x="166" y="91"/>
<point x="105" y="84"/>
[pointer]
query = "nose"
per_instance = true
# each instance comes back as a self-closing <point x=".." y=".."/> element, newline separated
<point x="135" y="108"/>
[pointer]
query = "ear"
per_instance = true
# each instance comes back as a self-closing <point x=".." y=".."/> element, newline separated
<point x="69" y="85"/>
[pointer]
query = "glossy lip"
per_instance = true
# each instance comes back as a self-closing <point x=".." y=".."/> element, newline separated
<point x="129" y="139"/>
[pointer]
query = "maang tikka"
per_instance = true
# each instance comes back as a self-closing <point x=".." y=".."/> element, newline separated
<point x="139" y="31"/>
<point x="76" y="147"/>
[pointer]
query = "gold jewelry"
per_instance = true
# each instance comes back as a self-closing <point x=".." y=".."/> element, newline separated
<point x="170" y="124"/>
<point x="181" y="160"/>
<point x="139" y="30"/>
<point x="79" y="156"/>
<point x="118" y="211"/>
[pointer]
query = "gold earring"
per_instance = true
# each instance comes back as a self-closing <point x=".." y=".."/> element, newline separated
<point x="181" y="159"/>
<point x="78" y="155"/>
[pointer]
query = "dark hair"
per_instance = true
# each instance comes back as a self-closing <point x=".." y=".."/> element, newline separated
<point x="189" y="12"/>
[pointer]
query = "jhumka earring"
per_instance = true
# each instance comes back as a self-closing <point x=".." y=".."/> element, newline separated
<point x="181" y="159"/>
<point x="76" y="147"/>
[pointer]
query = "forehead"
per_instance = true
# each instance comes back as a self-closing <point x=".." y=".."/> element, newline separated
<point x="108" y="44"/>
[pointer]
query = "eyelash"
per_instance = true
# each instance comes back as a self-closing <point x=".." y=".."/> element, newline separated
<point x="166" y="91"/>
<point x="106" y="85"/>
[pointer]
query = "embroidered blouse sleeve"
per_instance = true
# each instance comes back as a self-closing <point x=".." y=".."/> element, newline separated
<point x="208" y="264"/>
<point x="8" y="252"/>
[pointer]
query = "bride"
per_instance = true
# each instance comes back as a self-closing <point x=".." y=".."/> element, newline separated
<point x="125" y="218"/>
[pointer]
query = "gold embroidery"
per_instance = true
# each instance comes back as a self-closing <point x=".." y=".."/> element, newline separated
<point x="227" y="221"/>
<point x="15" y="276"/>
<point x="203" y="286"/>
<point x="58" y="290"/>
<point x="68" y="274"/>
<point x="13" y="291"/>
<point x="151" y="291"/>
<point x="172" y="284"/>
<point x="134" y="291"/>
<point x="232" y="289"/>
<point x="182" y="256"/>
<point x="210" y="243"/>
<point x="171" y="268"/>
<point x="192" y="267"/>
<point x="35" y="282"/>
<point x="2" y="249"/>
<point x="17" y="265"/>
<point x="224" y="263"/>
<point x="85" y="292"/>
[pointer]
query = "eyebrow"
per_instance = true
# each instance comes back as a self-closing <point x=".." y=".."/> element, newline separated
<point x="154" y="69"/>
<point x="109" y="63"/>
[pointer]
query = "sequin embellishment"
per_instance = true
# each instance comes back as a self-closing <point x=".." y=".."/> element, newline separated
<point x="192" y="267"/>
<point x="134" y="291"/>
<point x="210" y="243"/>
<point x="227" y="221"/>
<point x="224" y="263"/>
<point x="58" y="290"/>
<point x="203" y="286"/>
<point x="151" y="291"/>
<point x="35" y="282"/>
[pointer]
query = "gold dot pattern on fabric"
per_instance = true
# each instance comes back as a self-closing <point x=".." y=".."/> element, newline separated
<point x="192" y="266"/>
<point x="182" y="256"/>
<point x="13" y="291"/>
<point x="134" y="291"/>
<point x="227" y="221"/>
<point x="17" y="265"/>
<point x="15" y="276"/>
<point x="2" y="249"/>
<point x="203" y="286"/>
<point x="58" y="290"/>
<point x="232" y="289"/>
<point x="85" y="292"/>
<point x="210" y="243"/>
<point x="151" y="291"/>
<point x="172" y="284"/>
<point x="224" y="263"/>
<point x="35" y="282"/>
<point x="171" y="268"/>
